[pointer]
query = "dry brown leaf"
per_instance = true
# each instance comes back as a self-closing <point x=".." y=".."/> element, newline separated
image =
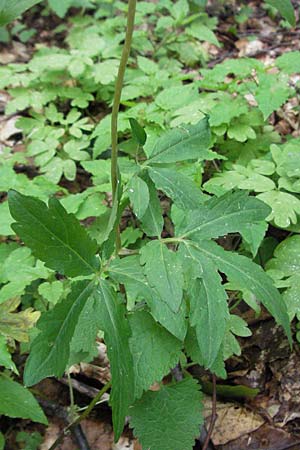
<point x="233" y="421"/>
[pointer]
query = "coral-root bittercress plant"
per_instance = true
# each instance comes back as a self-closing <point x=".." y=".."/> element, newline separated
<point x="172" y="301"/>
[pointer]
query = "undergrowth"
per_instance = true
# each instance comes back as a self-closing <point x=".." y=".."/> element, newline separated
<point x="198" y="160"/>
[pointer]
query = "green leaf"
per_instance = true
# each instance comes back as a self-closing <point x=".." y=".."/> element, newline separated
<point x="286" y="256"/>
<point x="50" y="351"/>
<point x="192" y="348"/>
<point x="163" y="270"/>
<point x="2" y="441"/>
<point x="169" y="418"/>
<point x="285" y="207"/>
<point x="106" y="72"/>
<point x="208" y="306"/>
<point x="292" y="296"/>
<point x="60" y="7"/>
<point x="54" y="236"/>
<point x="289" y="62"/>
<point x="155" y="351"/>
<point x="83" y="343"/>
<point x="177" y="186"/>
<point x="129" y="272"/>
<point x="152" y="221"/>
<point x="21" y="264"/>
<point x="203" y="33"/>
<point x="30" y="440"/>
<point x="17" y="401"/>
<point x="5" y="356"/>
<point x="226" y="109"/>
<point x="219" y="216"/>
<point x="15" y="324"/>
<point x="112" y="320"/>
<point x="240" y="177"/>
<point x="285" y="8"/>
<point x="51" y="291"/>
<point x="247" y="275"/>
<point x="11" y="9"/>
<point x="272" y="92"/>
<point x="182" y="143"/>
<point x="6" y="220"/>
<point x="138" y="193"/>
<point x="238" y="326"/>
<point x="253" y="234"/>
<point x="138" y="131"/>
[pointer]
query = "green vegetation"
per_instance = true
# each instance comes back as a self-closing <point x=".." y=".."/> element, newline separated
<point x="198" y="160"/>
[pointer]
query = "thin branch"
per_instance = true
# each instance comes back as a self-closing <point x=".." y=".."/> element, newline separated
<point x="53" y="409"/>
<point x="83" y="416"/>
<point x="213" y="413"/>
<point x="115" y="177"/>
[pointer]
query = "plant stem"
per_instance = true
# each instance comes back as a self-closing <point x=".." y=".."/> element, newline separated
<point x="81" y="417"/>
<point x="72" y="403"/>
<point x="213" y="414"/>
<point x="115" y="179"/>
<point x="93" y="402"/>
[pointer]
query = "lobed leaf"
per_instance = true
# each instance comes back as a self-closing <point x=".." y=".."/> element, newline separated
<point x="54" y="236"/>
<point x="129" y="272"/>
<point x="51" y="349"/>
<point x="182" y="143"/>
<point x="163" y="270"/>
<point x="112" y="320"/>
<point x="208" y="305"/>
<point x="219" y="216"/>
<point x="248" y="275"/>
<point x="177" y="186"/>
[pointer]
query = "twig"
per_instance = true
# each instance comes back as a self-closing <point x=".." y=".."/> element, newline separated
<point x="213" y="413"/>
<point x="85" y="389"/>
<point x="82" y="416"/>
<point x="52" y="409"/>
<point x="115" y="177"/>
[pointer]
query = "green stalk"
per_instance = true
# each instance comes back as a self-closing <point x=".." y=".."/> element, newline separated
<point x="83" y="416"/>
<point x="115" y="179"/>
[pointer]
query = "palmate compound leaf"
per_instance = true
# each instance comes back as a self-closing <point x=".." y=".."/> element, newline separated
<point x="168" y="419"/>
<point x="51" y="349"/>
<point x="128" y="271"/>
<point x="155" y="351"/>
<point x="219" y="216"/>
<point x="17" y="401"/>
<point x="112" y="320"/>
<point x="246" y="275"/>
<point x="163" y="271"/>
<point x="183" y="143"/>
<point x="208" y="302"/>
<point x="54" y="236"/>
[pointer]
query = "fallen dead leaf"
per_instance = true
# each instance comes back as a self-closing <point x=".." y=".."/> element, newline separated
<point x="233" y="421"/>
<point x="8" y="128"/>
<point x="249" y="48"/>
